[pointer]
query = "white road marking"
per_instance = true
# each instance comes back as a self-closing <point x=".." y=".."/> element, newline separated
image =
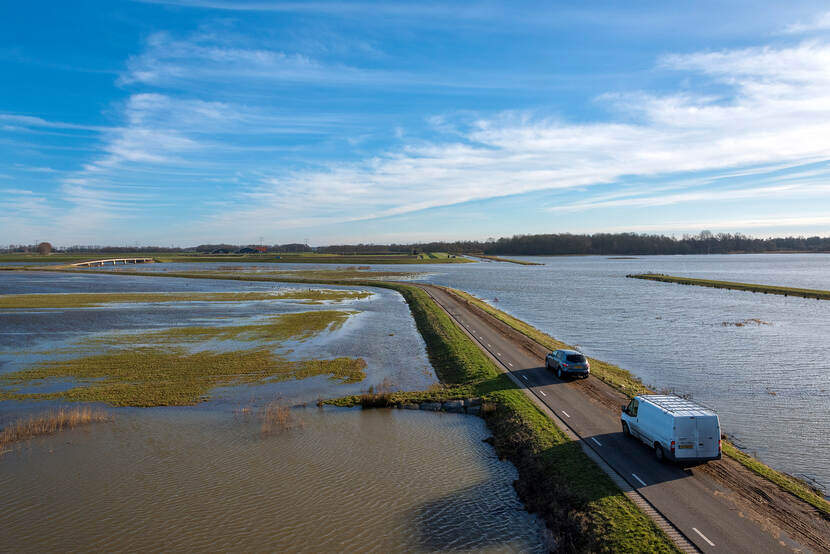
<point x="498" y="353"/>
<point x="640" y="480"/>
<point x="488" y="345"/>
<point x="596" y="441"/>
<point x="508" y="363"/>
<point x="566" y="413"/>
<point x="703" y="536"/>
<point x="524" y="377"/>
<point x="542" y="393"/>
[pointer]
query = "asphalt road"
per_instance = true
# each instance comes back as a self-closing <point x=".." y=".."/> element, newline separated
<point x="693" y="503"/>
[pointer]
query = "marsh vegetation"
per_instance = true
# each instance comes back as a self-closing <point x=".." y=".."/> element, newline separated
<point x="86" y="300"/>
<point x="49" y="422"/>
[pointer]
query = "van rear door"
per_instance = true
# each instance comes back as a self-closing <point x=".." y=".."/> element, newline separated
<point x="708" y="436"/>
<point x="685" y="431"/>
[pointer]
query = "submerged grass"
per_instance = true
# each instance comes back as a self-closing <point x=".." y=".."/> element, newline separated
<point x="85" y="300"/>
<point x="292" y="326"/>
<point x="751" y="287"/>
<point x="169" y="377"/>
<point x="48" y="423"/>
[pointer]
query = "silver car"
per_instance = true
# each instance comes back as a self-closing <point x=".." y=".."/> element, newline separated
<point x="568" y="363"/>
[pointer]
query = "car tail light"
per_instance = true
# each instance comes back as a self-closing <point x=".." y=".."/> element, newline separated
<point x="672" y="447"/>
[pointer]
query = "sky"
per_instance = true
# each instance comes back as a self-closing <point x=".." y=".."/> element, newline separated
<point x="182" y="122"/>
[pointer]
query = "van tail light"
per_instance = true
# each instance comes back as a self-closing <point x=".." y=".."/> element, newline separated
<point x="672" y="447"/>
<point x="719" y="448"/>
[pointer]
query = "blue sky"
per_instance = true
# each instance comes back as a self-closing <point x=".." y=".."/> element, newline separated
<point x="178" y="122"/>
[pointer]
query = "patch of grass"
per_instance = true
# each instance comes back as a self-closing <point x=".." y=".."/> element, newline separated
<point x="169" y="377"/>
<point x="788" y="483"/>
<point x="751" y="287"/>
<point x="292" y="326"/>
<point x="85" y="300"/>
<point x="48" y="423"/>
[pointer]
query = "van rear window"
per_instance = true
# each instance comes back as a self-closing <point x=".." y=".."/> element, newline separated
<point x="576" y="358"/>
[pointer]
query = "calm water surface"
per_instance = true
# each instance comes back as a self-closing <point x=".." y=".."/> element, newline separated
<point x="204" y="480"/>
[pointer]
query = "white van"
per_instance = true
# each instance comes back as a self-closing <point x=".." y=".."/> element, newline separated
<point x="677" y="429"/>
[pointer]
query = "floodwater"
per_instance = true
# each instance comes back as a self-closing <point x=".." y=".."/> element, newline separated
<point x="206" y="477"/>
<point x="343" y="481"/>
<point x="768" y="378"/>
<point x="381" y="331"/>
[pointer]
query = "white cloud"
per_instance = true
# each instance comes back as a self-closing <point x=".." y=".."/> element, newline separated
<point x="820" y="23"/>
<point x="777" y="112"/>
<point x="770" y="111"/>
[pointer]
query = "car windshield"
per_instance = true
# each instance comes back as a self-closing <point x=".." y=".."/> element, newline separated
<point x="576" y="358"/>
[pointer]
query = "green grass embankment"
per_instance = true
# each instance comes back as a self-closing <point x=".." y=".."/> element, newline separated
<point x="580" y="504"/>
<point x="751" y="287"/>
<point x="506" y="260"/>
<point x="628" y="384"/>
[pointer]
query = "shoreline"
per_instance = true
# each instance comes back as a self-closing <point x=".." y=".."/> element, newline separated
<point x="733" y="285"/>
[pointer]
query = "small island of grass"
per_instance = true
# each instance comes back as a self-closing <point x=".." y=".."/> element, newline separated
<point x="751" y="287"/>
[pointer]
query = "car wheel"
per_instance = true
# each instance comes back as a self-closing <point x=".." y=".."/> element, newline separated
<point x="659" y="454"/>
<point x="626" y="430"/>
<point x="547" y="364"/>
<point x="559" y="372"/>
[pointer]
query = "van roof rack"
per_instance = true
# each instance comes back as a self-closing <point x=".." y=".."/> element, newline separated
<point x="677" y="405"/>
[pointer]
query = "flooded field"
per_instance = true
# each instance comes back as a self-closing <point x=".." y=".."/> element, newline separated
<point x="372" y="326"/>
<point x="190" y="479"/>
<point x="760" y="360"/>
<point x="240" y="469"/>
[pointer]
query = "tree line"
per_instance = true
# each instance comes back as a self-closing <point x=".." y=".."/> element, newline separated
<point x="602" y="244"/>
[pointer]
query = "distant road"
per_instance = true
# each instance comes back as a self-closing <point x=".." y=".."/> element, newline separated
<point x="695" y="503"/>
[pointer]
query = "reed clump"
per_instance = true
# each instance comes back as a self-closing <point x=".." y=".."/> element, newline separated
<point x="48" y="423"/>
<point x="277" y="417"/>
<point x="381" y="396"/>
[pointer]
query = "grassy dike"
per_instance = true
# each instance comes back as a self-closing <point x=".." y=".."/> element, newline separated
<point x="580" y="504"/>
<point x="751" y="287"/>
<point x="626" y="383"/>
<point x="507" y="260"/>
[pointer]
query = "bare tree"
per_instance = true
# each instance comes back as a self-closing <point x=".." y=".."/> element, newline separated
<point x="44" y="248"/>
